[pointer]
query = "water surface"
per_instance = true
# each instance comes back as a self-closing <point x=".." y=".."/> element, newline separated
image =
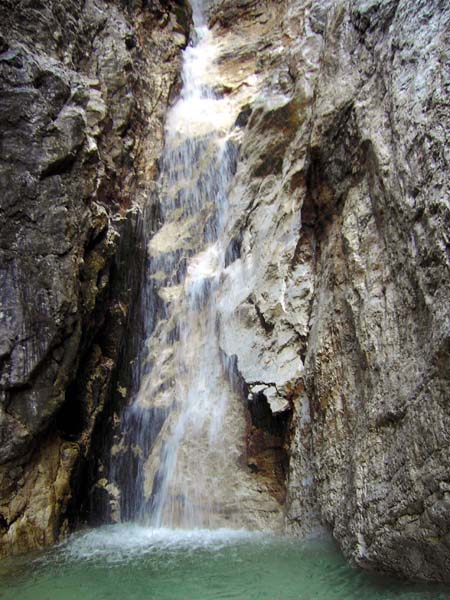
<point x="130" y="562"/>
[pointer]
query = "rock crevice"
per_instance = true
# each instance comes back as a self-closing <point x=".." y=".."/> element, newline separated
<point x="84" y="90"/>
<point x="340" y="203"/>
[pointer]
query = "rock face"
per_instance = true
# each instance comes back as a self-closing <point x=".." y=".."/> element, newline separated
<point x="377" y="359"/>
<point x="339" y="221"/>
<point x="84" y="88"/>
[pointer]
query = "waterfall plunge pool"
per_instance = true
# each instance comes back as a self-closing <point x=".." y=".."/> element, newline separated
<point x="131" y="562"/>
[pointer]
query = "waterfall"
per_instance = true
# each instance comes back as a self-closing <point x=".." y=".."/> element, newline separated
<point x="181" y="453"/>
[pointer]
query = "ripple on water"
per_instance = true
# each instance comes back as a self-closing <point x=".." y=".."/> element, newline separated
<point x="131" y="562"/>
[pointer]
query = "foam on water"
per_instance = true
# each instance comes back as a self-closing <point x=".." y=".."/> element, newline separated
<point x="199" y="111"/>
<point x="125" y="542"/>
<point x="139" y="563"/>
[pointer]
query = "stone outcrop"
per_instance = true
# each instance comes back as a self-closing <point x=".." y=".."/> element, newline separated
<point x="339" y="287"/>
<point x="84" y="89"/>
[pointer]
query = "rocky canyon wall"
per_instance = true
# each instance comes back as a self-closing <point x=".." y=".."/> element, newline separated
<point x="84" y="90"/>
<point x="339" y="270"/>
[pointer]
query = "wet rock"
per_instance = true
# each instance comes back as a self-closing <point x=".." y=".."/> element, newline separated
<point x="338" y="298"/>
<point x="78" y="83"/>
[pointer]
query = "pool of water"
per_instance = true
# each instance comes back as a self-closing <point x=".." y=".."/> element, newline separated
<point x="129" y="562"/>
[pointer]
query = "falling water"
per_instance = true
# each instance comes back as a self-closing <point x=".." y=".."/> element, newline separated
<point x="182" y="457"/>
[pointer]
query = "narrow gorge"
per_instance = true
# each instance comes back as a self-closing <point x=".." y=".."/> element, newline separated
<point x="224" y="300"/>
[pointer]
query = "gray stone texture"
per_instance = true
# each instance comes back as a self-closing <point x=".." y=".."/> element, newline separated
<point x="341" y="311"/>
<point x="83" y="91"/>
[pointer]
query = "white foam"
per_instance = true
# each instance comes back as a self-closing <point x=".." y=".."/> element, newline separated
<point x="198" y="111"/>
<point x="118" y="543"/>
<point x="205" y="264"/>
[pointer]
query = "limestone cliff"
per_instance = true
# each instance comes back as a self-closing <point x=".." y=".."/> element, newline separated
<point x="340" y="282"/>
<point x="84" y="89"/>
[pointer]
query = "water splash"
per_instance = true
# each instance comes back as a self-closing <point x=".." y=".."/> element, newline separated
<point x="182" y="455"/>
<point x="123" y="543"/>
<point x="129" y="561"/>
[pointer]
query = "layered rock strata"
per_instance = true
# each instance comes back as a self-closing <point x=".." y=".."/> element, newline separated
<point x="84" y="90"/>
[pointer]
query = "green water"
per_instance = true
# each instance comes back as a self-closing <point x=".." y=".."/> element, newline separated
<point x="135" y="563"/>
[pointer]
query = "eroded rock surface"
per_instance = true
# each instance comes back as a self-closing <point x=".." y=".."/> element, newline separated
<point x="84" y="89"/>
<point x="338" y="287"/>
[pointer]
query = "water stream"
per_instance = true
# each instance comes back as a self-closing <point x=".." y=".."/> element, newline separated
<point x="186" y="425"/>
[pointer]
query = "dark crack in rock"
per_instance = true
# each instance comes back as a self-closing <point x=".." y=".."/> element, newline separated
<point x="341" y="284"/>
<point x="84" y="89"/>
